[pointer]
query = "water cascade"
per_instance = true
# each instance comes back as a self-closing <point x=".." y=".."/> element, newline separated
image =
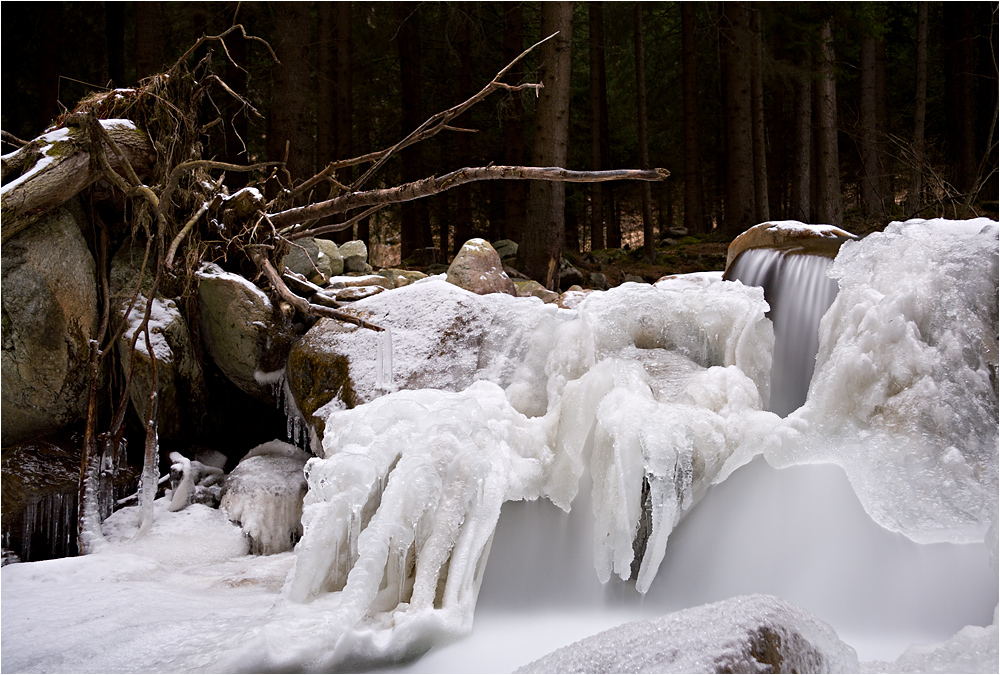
<point x="799" y="293"/>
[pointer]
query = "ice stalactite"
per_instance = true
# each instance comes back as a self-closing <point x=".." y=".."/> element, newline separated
<point x="51" y="518"/>
<point x="383" y="361"/>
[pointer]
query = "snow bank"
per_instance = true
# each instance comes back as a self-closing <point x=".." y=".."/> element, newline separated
<point x="904" y="396"/>
<point x="746" y="634"/>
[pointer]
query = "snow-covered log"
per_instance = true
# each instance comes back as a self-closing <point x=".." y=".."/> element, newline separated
<point x="57" y="165"/>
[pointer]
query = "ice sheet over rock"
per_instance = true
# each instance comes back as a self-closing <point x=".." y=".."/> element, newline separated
<point x="745" y="634"/>
<point x="904" y="396"/>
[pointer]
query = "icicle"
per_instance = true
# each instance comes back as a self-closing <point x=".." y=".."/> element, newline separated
<point x="383" y="360"/>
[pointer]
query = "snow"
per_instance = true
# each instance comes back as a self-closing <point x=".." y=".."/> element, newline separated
<point x="213" y="270"/>
<point x="627" y="412"/>
<point x="162" y="314"/>
<point x="745" y="634"/>
<point x="796" y="227"/>
<point x="118" y="124"/>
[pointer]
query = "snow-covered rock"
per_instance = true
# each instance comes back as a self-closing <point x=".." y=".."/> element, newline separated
<point x="50" y="314"/>
<point x="745" y="634"/>
<point x="819" y="239"/>
<point x="264" y="493"/>
<point x="477" y="268"/>
<point x="240" y="329"/>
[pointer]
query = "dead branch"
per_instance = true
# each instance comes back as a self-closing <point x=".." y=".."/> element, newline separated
<point x="11" y="139"/>
<point x="434" y="185"/>
<point x="436" y="123"/>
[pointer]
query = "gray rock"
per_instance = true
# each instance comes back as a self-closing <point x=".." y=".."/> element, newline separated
<point x="599" y="282"/>
<point x="305" y="257"/>
<point x="180" y="381"/>
<point x="352" y="248"/>
<point x="505" y="248"/>
<point x="334" y="258"/>
<point x="569" y="275"/>
<point x="528" y="289"/>
<point x="745" y="634"/>
<point x="241" y="332"/>
<point x="400" y="278"/>
<point x="477" y="268"/>
<point x="353" y="293"/>
<point x="50" y="314"/>
<point x="355" y="264"/>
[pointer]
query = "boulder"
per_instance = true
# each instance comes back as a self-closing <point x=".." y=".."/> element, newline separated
<point x="477" y="268"/>
<point x="355" y="255"/>
<point x="264" y="493"/>
<point x="505" y="248"/>
<point x="180" y="381"/>
<point x="354" y="293"/>
<point x="569" y="275"/>
<point x="305" y="257"/>
<point x="599" y="282"/>
<point x="815" y="239"/>
<point x="400" y="278"/>
<point x="241" y="331"/>
<point x="50" y="314"/>
<point x="528" y="289"/>
<point x="745" y="634"/>
<point x="333" y="257"/>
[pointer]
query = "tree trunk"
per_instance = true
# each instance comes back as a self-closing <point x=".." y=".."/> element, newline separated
<point x="960" y="64"/>
<point x="463" y="196"/>
<point x="415" y="218"/>
<point x="778" y="148"/>
<point x="919" y="112"/>
<point x="541" y="245"/>
<point x="694" y="200"/>
<point x="829" y="209"/>
<point x="598" y="93"/>
<point x="648" y="236"/>
<point x="150" y="50"/>
<point x="515" y="194"/>
<point x="741" y="207"/>
<point x="799" y="199"/>
<point x="869" y="141"/>
<point x="290" y="119"/>
<point x="114" y="13"/>
<point x="759" y="136"/>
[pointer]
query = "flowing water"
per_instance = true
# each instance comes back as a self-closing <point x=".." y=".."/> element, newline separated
<point x="799" y="292"/>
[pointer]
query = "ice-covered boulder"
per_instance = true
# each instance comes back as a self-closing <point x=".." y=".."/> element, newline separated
<point x="192" y="482"/>
<point x="904" y="397"/>
<point x="745" y="634"/>
<point x="50" y="314"/>
<point x="784" y="234"/>
<point x="264" y="493"/>
<point x="477" y="268"/>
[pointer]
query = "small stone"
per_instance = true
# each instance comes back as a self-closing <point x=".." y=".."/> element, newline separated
<point x="530" y="288"/>
<point x="354" y="293"/>
<point x="477" y="268"/>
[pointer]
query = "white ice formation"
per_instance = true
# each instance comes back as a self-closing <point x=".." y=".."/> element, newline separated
<point x="746" y="634"/>
<point x="264" y="495"/>
<point x="904" y="397"/>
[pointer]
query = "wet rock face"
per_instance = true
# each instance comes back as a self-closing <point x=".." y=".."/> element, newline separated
<point x="49" y="290"/>
<point x="477" y="268"/>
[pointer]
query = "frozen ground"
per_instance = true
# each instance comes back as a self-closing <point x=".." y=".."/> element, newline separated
<point x="639" y="403"/>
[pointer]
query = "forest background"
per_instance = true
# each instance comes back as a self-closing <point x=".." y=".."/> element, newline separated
<point x="852" y="114"/>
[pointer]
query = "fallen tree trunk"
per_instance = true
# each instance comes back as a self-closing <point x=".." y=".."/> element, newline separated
<point x="56" y="166"/>
<point x="435" y="184"/>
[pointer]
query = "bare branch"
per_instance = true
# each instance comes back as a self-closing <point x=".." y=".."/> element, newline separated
<point x="335" y="227"/>
<point x="433" y="185"/>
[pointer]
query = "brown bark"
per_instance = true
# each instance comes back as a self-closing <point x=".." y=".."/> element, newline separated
<point x="541" y="244"/>
<point x="515" y="194"/>
<point x="598" y="103"/>
<point x="150" y="52"/>
<point x="415" y="218"/>
<point x="290" y="119"/>
<point x="694" y="200"/>
<point x="648" y="237"/>
<point x="800" y="201"/>
<point x="433" y="185"/>
<point x="829" y="208"/>
<point x="759" y="135"/>
<point x="741" y="209"/>
<point x="69" y="170"/>
<point x="919" y="112"/>
<point x="873" y="189"/>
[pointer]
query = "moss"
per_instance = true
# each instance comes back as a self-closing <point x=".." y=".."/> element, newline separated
<point x="319" y="377"/>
